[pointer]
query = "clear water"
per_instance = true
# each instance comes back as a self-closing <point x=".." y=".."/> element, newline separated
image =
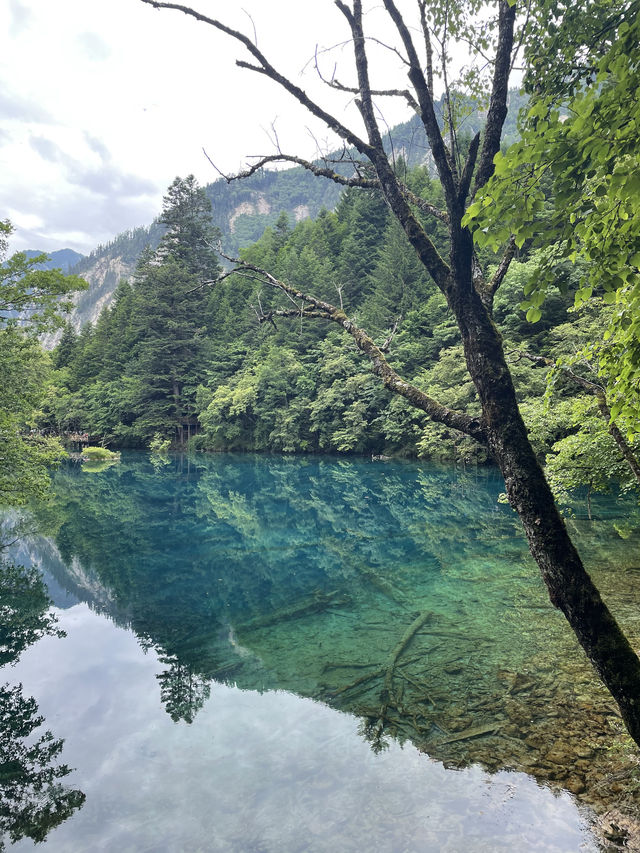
<point x="278" y="654"/>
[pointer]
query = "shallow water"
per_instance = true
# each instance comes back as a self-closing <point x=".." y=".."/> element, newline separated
<point x="250" y="640"/>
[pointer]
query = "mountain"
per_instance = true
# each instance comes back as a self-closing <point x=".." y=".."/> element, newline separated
<point x="103" y="269"/>
<point x="62" y="259"/>
<point x="243" y="209"/>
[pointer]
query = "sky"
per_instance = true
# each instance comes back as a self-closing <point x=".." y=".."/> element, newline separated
<point x="104" y="102"/>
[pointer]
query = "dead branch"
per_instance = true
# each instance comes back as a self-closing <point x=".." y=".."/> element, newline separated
<point x="387" y="695"/>
<point x="318" y="308"/>
<point x="358" y="180"/>
<point x="422" y="4"/>
<point x="402" y="644"/>
<point x="523" y="33"/>
<point x="334" y="83"/>
<point x="391" y="188"/>
<point x="320" y="171"/>
<point x="385" y="346"/>
<point x="266" y="68"/>
<point x="373" y="149"/>
<point x="427" y="112"/>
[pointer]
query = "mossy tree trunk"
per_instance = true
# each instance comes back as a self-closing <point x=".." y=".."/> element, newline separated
<point x="569" y="584"/>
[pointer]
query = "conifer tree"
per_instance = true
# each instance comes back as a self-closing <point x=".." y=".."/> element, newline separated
<point x="172" y="317"/>
<point x="191" y="237"/>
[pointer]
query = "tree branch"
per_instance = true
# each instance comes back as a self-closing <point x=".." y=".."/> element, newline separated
<point x="314" y="168"/>
<point x="488" y="291"/>
<point x="467" y="172"/>
<point x="425" y="206"/>
<point x="392" y="333"/>
<point x="427" y="112"/>
<point x="334" y="83"/>
<point x="427" y="43"/>
<point x="265" y="67"/>
<point x="373" y="149"/>
<point x="499" y="93"/>
<point x="390" y="186"/>
<point x="318" y="308"/>
<point x="325" y="172"/>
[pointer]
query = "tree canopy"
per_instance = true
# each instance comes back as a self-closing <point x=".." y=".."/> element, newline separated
<point x="31" y="301"/>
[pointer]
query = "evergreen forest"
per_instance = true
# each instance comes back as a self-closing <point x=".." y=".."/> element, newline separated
<point x="185" y="358"/>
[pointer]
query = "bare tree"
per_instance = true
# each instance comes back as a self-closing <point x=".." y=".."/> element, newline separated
<point x="468" y="292"/>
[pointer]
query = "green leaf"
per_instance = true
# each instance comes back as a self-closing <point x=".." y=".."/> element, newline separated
<point x="533" y="314"/>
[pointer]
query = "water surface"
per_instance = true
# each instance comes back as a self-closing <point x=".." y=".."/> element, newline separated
<point x="314" y="654"/>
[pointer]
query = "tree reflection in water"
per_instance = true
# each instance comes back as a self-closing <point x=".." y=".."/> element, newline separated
<point x="32" y="799"/>
<point x="402" y="594"/>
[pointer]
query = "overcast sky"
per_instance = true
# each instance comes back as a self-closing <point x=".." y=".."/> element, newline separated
<point x="104" y="102"/>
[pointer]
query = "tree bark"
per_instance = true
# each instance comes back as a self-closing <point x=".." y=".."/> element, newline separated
<point x="570" y="586"/>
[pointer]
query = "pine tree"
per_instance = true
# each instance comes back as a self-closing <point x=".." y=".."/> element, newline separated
<point x="66" y="348"/>
<point x="191" y="236"/>
<point x="172" y="317"/>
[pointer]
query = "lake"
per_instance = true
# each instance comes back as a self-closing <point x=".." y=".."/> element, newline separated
<point x="313" y="654"/>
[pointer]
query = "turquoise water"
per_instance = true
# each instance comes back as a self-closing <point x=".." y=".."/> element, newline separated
<point x="277" y="654"/>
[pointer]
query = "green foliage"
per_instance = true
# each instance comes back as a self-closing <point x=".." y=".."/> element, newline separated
<point x="190" y="236"/>
<point x="95" y="454"/>
<point x="587" y="457"/>
<point x="30" y="296"/>
<point x="134" y="374"/>
<point x="25" y="454"/>
<point x="158" y="444"/>
<point x="168" y="350"/>
<point x="31" y="300"/>
<point x="589" y="152"/>
<point x="32" y="800"/>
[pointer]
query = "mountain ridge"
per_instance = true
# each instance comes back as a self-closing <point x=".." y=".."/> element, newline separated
<point x="63" y="259"/>
<point x="242" y="210"/>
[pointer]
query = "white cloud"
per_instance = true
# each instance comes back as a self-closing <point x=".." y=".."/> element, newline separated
<point x="93" y="46"/>
<point x="20" y="17"/>
<point x="106" y="101"/>
<point x="28" y="221"/>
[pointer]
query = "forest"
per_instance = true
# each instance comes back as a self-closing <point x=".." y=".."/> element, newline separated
<point x="171" y="361"/>
<point x="477" y="306"/>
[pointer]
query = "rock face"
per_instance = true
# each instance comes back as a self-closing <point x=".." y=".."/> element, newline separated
<point x="103" y="274"/>
<point x="103" y="277"/>
<point x="247" y="208"/>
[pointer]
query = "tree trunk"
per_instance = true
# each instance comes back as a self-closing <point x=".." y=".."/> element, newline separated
<point x="569" y="585"/>
<point x="623" y="445"/>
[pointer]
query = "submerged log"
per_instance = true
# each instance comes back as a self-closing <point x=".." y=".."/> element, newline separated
<point x="406" y="638"/>
<point x="474" y="731"/>
<point x="317" y="603"/>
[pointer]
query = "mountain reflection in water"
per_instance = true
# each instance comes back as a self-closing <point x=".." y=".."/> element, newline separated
<point x="398" y="592"/>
